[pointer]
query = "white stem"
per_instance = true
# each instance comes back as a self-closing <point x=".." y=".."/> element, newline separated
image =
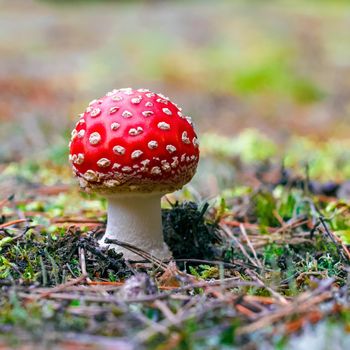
<point x="136" y="219"/>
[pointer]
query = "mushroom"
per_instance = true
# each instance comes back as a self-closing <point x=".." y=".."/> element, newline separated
<point x="134" y="146"/>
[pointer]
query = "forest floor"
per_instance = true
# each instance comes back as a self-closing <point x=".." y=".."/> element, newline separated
<point x="263" y="265"/>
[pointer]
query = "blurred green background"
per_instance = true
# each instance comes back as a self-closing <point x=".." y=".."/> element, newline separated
<point x="280" y="67"/>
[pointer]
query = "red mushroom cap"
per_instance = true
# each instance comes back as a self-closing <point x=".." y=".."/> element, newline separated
<point x="133" y="141"/>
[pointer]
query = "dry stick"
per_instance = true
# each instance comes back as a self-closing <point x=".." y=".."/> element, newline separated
<point x="94" y="298"/>
<point x="293" y="241"/>
<point x="291" y="309"/>
<point x="291" y="225"/>
<point x="283" y="227"/>
<point x="53" y="293"/>
<point x="278" y="296"/>
<point x="5" y="200"/>
<point x="96" y="286"/>
<point x="53" y="190"/>
<point x="80" y="221"/>
<point x="246" y="224"/>
<point x="219" y="262"/>
<point x="82" y="261"/>
<point x="227" y="283"/>
<point x="152" y="324"/>
<point x="14" y="222"/>
<point x="244" y="232"/>
<point x="120" y="284"/>
<point x="335" y="239"/>
<point x="245" y="311"/>
<point x="253" y="305"/>
<point x="43" y="271"/>
<point x="148" y="333"/>
<point x="302" y="302"/>
<point x="171" y="318"/>
<point x="10" y="239"/>
<point x="229" y="233"/>
<point x="261" y="241"/>
<point x="110" y="286"/>
<point x="62" y="286"/>
<point x="271" y="230"/>
<point x="71" y="224"/>
<point x="279" y="218"/>
<point x="105" y="283"/>
<point x="260" y="299"/>
<point x="145" y="255"/>
<point x="86" y="288"/>
<point x="165" y="310"/>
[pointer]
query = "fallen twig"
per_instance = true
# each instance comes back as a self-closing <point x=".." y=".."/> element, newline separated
<point x="336" y="240"/>
<point x="13" y="222"/>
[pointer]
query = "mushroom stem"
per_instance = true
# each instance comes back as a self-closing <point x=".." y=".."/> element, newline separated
<point x="136" y="219"/>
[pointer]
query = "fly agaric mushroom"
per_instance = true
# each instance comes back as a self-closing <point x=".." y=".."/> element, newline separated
<point x="133" y="146"/>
